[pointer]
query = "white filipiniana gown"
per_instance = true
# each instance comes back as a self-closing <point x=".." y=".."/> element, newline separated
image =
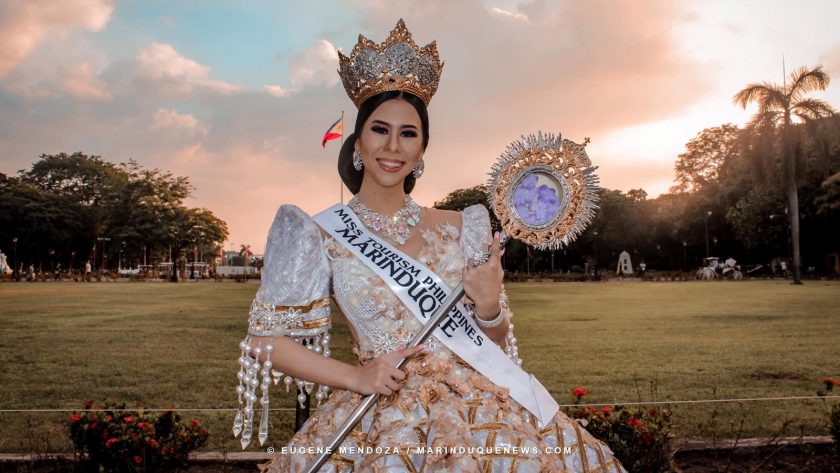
<point x="443" y="404"/>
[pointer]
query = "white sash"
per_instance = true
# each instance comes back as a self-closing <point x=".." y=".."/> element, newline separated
<point x="423" y="292"/>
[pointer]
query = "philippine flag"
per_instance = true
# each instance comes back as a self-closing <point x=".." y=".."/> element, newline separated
<point x="335" y="131"/>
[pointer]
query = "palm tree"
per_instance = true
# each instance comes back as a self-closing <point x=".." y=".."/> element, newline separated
<point x="779" y="106"/>
<point x="246" y="253"/>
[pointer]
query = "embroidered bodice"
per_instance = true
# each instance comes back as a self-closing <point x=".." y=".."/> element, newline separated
<point x="301" y="264"/>
<point x="380" y="322"/>
<point x="300" y="261"/>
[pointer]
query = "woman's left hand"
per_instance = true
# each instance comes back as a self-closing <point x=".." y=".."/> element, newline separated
<point x="483" y="283"/>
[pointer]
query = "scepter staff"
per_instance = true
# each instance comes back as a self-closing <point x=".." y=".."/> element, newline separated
<point x="370" y="400"/>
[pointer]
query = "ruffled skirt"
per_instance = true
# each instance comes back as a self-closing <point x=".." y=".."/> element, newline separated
<point x="446" y="418"/>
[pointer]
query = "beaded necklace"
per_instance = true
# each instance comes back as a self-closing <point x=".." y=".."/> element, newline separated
<point x="397" y="227"/>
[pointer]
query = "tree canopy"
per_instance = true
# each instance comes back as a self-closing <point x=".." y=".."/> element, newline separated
<point x="64" y="205"/>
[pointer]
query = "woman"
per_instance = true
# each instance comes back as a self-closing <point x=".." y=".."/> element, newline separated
<point x="438" y="413"/>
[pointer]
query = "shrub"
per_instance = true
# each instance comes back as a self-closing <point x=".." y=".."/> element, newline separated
<point x="112" y="439"/>
<point x="834" y="411"/>
<point x="640" y="438"/>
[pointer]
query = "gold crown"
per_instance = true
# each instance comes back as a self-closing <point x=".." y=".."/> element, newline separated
<point x="395" y="64"/>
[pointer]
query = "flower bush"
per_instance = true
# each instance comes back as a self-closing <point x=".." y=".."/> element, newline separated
<point x="639" y="437"/>
<point x="834" y="411"/>
<point x="109" y="438"/>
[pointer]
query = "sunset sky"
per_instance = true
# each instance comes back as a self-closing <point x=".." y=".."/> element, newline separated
<point x="237" y="95"/>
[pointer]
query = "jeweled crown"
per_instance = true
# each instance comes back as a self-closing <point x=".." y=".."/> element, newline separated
<point x="395" y="64"/>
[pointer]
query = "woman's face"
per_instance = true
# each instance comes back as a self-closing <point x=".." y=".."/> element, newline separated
<point x="391" y="143"/>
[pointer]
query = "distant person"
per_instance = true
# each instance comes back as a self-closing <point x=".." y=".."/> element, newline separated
<point x="642" y="267"/>
<point x="57" y="272"/>
<point x="30" y="273"/>
<point x="87" y="270"/>
<point x="783" y="265"/>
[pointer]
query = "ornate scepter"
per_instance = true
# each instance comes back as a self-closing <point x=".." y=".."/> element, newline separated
<point x="543" y="189"/>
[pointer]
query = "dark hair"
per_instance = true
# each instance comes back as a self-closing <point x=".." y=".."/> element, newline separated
<point x="349" y="175"/>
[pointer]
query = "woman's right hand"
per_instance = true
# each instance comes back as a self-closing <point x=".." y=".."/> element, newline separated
<point x="380" y="375"/>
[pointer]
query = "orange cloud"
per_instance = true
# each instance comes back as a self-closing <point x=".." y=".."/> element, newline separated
<point x="316" y="65"/>
<point x="24" y="23"/>
<point x="82" y="83"/>
<point x="170" y="74"/>
<point x="167" y="119"/>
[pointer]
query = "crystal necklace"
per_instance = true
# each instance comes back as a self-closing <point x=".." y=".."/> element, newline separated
<point x="398" y="227"/>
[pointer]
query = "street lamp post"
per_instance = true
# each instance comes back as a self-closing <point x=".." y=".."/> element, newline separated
<point x="103" y="240"/>
<point x="786" y="223"/>
<point x="192" y="265"/>
<point x="793" y="266"/>
<point x="685" y="257"/>
<point x="708" y="214"/>
<point x="658" y="261"/>
<point x="15" y="274"/>
<point x="595" y="243"/>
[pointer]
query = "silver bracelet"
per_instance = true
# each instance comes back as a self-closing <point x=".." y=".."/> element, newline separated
<point x="494" y="322"/>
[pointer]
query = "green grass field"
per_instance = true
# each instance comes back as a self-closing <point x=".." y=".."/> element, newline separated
<point x="162" y="345"/>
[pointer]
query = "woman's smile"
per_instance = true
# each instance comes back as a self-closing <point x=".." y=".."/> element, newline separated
<point x="390" y="165"/>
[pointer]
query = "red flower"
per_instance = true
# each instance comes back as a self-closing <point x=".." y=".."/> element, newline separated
<point x="144" y="425"/>
<point x="634" y="422"/>
<point x="94" y="424"/>
<point x="75" y="418"/>
<point x="606" y="409"/>
<point x="109" y="418"/>
<point x="110" y="442"/>
<point x="153" y="443"/>
<point x="128" y="419"/>
<point x="137" y="459"/>
<point x="203" y="431"/>
<point x="579" y="392"/>
<point x="195" y="422"/>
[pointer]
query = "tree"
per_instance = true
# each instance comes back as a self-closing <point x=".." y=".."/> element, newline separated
<point x="462" y="198"/>
<point x="779" y="106"/>
<point x="45" y="224"/>
<point x="704" y="155"/>
<point x="637" y="195"/>
<point x="829" y="201"/>
<point x="759" y="222"/>
<point x="65" y="202"/>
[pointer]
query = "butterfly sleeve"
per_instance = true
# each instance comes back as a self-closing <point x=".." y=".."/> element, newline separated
<point x="292" y="301"/>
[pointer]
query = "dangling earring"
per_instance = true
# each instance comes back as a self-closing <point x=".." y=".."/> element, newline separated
<point x="418" y="169"/>
<point x="357" y="160"/>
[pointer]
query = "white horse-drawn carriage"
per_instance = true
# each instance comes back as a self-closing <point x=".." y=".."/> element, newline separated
<point x="712" y="269"/>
